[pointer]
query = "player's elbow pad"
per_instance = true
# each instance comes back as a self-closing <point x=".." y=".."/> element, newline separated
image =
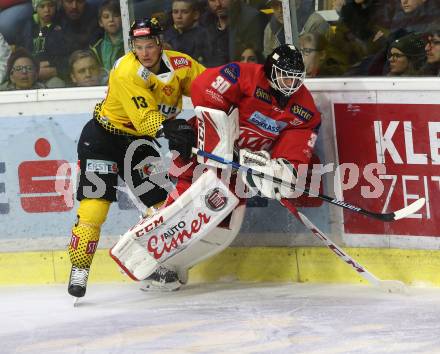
<point x="150" y="121"/>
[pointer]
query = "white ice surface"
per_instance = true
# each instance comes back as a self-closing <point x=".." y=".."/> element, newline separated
<point x="220" y="318"/>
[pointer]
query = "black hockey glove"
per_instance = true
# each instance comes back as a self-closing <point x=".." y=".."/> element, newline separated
<point x="180" y="136"/>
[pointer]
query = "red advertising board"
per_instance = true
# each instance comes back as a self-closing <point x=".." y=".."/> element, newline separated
<point x="39" y="191"/>
<point x="406" y="139"/>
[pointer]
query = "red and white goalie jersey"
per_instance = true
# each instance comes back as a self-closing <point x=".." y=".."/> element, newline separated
<point x="286" y="129"/>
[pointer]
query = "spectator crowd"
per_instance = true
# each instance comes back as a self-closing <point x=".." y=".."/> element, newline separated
<point x="65" y="43"/>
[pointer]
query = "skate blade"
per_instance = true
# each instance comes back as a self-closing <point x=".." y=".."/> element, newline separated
<point x="152" y="288"/>
<point x="75" y="301"/>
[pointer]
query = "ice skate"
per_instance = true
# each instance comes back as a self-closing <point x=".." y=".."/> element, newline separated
<point x="161" y="280"/>
<point x="78" y="282"/>
<point x="182" y="274"/>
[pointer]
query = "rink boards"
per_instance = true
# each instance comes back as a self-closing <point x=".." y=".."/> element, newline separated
<point x="244" y="264"/>
<point x="365" y="123"/>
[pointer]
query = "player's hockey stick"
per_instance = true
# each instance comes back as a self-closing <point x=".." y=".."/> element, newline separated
<point x="391" y="286"/>
<point x="396" y="215"/>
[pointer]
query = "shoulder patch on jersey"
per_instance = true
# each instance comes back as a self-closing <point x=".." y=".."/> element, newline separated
<point x="179" y="62"/>
<point x="302" y="113"/>
<point x="230" y="72"/>
<point x="144" y="73"/>
<point x="266" y="123"/>
<point x="168" y="90"/>
<point x="262" y="95"/>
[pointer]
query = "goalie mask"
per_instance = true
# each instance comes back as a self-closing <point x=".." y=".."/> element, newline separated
<point x="285" y="69"/>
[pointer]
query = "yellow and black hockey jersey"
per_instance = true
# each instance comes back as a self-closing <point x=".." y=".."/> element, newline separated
<point x="138" y="101"/>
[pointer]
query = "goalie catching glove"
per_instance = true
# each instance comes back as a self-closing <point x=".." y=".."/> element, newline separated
<point x="280" y="168"/>
<point x="180" y="136"/>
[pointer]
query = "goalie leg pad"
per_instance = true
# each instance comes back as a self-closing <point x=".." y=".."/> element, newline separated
<point x="217" y="240"/>
<point x="192" y="217"/>
<point x="133" y="257"/>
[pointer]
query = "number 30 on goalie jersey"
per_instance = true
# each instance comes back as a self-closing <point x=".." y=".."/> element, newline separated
<point x="220" y="84"/>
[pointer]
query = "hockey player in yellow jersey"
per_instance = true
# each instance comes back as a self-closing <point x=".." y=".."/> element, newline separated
<point x="144" y="97"/>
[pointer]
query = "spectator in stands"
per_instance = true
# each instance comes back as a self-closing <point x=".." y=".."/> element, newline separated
<point x="337" y="5"/>
<point x="317" y="23"/>
<point x="216" y="39"/>
<point x="5" y="52"/>
<point x="12" y="14"/>
<point x="415" y="15"/>
<point x="377" y="17"/>
<point x="407" y="55"/>
<point x="151" y="8"/>
<point x="382" y="12"/>
<point x="185" y="35"/>
<point x="79" y="21"/>
<point x="357" y="27"/>
<point x="354" y="39"/>
<point x="432" y="48"/>
<point x="274" y="31"/>
<point x="312" y="46"/>
<point x="44" y="39"/>
<point x="258" y="4"/>
<point x="250" y="55"/>
<point x="111" y="46"/>
<point x="246" y="26"/>
<point x="22" y="72"/>
<point x="320" y="58"/>
<point x="228" y="25"/>
<point x="356" y="16"/>
<point x="304" y="8"/>
<point x="85" y="69"/>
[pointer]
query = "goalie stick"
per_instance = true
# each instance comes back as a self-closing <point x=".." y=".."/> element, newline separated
<point x="396" y="215"/>
<point x="390" y="286"/>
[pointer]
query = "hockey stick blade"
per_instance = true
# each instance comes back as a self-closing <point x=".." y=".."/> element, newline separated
<point x="389" y="286"/>
<point x="392" y="286"/>
<point x="396" y="215"/>
<point x="410" y="209"/>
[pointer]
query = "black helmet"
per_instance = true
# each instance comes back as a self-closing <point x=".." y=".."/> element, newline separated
<point x="145" y="28"/>
<point x="285" y="62"/>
